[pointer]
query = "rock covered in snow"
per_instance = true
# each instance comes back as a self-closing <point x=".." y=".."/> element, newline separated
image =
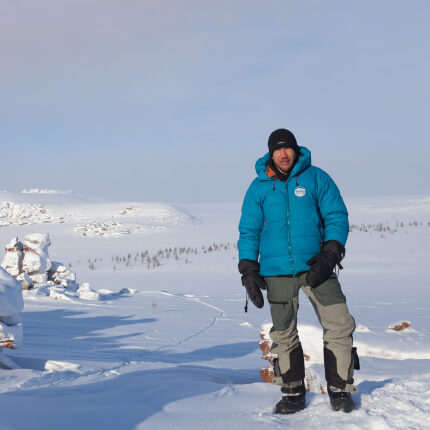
<point x="59" y="274"/>
<point x="29" y="262"/>
<point x="36" y="259"/>
<point x="312" y="380"/>
<point x="12" y="260"/>
<point x="51" y="278"/>
<point x="36" y="241"/>
<point x="86" y="292"/>
<point x="25" y="280"/>
<point x="127" y="291"/>
<point x="11" y="304"/>
<point x="11" y="332"/>
<point x="58" y="292"/>
<point x="39" y="278"/>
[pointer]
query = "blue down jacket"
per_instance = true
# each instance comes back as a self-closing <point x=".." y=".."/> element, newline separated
<point x="285" y="224"/>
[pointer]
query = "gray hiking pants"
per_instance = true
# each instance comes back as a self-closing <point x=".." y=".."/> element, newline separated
<point x="338" y="325"/>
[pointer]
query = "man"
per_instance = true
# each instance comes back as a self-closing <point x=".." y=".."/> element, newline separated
<point x="293" y="229"/>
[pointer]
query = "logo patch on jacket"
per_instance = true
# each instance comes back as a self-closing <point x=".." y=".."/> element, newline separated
<point x="300" y="191"/>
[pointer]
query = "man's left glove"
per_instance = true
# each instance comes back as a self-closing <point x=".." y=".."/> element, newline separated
<point x="323" y="264"/>
<point x="252" y="281"/>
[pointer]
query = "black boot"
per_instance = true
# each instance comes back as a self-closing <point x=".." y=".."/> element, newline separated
<point x="341" y="401"/>
<point x="293" y="399"/>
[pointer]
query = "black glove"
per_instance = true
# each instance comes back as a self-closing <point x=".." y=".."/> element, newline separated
<point x="323" y="264"/>
<point x="252" y="281"/>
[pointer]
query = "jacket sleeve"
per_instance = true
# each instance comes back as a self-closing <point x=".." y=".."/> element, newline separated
<point x="332" y="209"/>
<point x="250" y="226"/>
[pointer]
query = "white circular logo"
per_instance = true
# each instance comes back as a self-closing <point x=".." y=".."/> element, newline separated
<point x="300" y="191"/>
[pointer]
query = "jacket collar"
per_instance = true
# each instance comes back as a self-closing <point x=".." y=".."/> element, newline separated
<point x="303" y="163"/>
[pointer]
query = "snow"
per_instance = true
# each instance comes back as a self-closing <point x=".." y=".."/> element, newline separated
<point x="44" y="191"/>
<point x="167" y="345"/>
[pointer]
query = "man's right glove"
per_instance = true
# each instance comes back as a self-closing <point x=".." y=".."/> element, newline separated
<point x="323" y="264"/>
<point x="252" y="281"/>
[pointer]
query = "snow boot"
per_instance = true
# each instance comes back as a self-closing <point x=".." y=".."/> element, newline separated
<point x="293" y="399"/>
<point x="341" y="400"/>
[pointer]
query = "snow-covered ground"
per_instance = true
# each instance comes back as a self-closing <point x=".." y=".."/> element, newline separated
<point x="180" y="353"/>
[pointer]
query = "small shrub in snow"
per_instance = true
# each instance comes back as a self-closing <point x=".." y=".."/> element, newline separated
<point x="384" y="227"/>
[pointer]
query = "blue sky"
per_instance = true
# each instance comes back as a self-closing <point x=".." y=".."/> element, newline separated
<point x="174" y="100"/>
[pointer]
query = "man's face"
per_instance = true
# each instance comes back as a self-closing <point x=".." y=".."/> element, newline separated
<point x="284" y="159"/>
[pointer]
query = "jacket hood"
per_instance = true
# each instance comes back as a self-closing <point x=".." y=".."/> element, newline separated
<point x="303" y="163"/>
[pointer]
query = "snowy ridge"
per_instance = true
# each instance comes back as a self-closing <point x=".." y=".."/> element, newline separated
<point x="90" y="219"/>
<point x="44" y="191"/>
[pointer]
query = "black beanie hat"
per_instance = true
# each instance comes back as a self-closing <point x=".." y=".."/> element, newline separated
<point x="282" y="138"/>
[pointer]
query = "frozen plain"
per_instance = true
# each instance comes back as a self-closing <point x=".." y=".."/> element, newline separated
<point x="181" y="353"/>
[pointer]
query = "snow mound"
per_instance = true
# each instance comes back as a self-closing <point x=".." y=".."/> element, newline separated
<point x="86" y="292"/>
<point x="79" y="292"/>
